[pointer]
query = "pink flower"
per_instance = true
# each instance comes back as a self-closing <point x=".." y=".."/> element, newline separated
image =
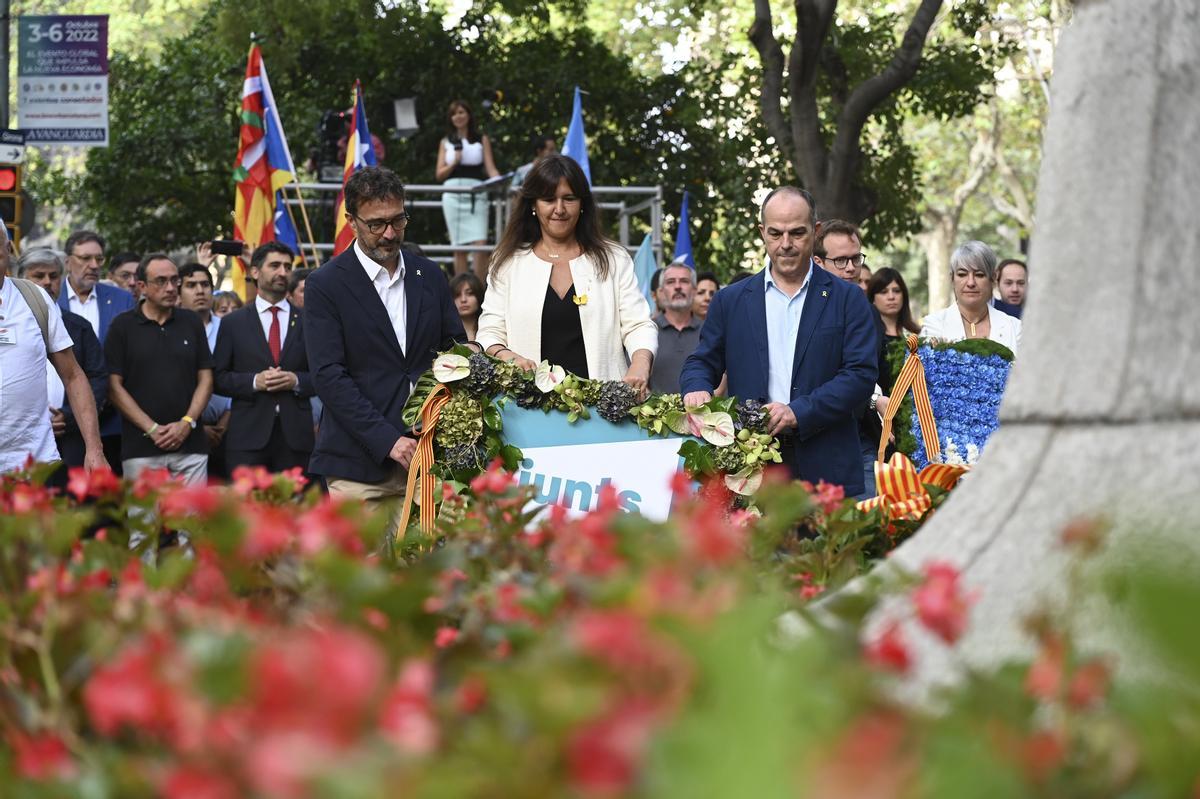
<point x="1088" y="685"/>
<point x="268" y="531"/>
<point x="190" y="782"/>
<point x="603" y="755"/>
<point x="828" y="496"/>
<point x="41" y="756"/>
<point x="889" y="651"/>
<point x="84" y="483"/>
<point x="199" y="501"/>
<point x="1044" y="678"/>
<point x="150" y="481"/>
<point x="407" y="716"/>
<point x="710" y="538"/>
<point x="129" y="692"/>
<point x="940" y="602"/>
<point x="251" y="478"/>
<point x="446" y="636"/>
<point x="494" y="481"/>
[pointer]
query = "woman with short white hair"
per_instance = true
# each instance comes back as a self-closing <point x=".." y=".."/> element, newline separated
<point x="971" y="315"/>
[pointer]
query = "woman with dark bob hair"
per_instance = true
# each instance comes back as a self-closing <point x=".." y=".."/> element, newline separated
<point x="560" y="291"/>
<point x="888" y="292"/>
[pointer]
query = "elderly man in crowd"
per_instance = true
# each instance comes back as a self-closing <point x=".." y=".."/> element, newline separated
<point x="31" y="332"/>
<point x="821" y="355"/>
<point x="678" y="329"/>
<point x="45" y="268"/>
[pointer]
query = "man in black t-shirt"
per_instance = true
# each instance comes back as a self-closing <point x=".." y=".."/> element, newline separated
<point x="160" y="377"/>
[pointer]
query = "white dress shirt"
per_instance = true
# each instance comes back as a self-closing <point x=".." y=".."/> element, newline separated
<point x="391" y="290"/>
<point x="89" y="310"/>
<point x="24" y="404"/>
<point x="783" y="326"/>
<point x="264" y="317"/>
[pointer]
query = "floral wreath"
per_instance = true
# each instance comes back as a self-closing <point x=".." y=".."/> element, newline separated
<point x="727" y="437"/>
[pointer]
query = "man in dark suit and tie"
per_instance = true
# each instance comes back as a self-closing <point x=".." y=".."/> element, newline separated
<point x="819" y="362"/>
<point x="261" y="363"/>
<point x="375" y="319"/>
<point x="99" y="304"/>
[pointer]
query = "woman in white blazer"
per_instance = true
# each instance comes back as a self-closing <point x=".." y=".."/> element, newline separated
<point x="973" y="272"/>
<point x="558" y="290"/>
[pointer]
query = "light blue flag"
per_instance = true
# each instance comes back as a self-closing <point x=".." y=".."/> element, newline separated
<point x="576" y="144"/>
<point x="683" y="238"/>
<point x="279" y="160"/>
<point x="644" y="267"/>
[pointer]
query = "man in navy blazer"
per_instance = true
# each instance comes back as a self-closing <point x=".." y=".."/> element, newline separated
<point x="82" y="293"/>
<point x="375" y="318"/>
<point x="261" y="363"/>
<point x="798" y="337"/>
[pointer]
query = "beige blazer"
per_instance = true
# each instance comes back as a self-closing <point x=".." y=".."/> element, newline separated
<point x="615" y="320"/>
<point x="947" y="324"/>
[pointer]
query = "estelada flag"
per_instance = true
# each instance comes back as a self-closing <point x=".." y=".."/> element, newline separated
<point x="262" y="166"/>
<point x="360" y="152"/>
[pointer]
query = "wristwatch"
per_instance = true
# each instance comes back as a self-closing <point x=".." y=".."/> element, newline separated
<point x="874" y="399"/>
<point x="190" y="421"/>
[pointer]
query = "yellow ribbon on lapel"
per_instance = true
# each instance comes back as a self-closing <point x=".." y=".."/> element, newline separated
<point x="901" y="490"/>
<point x="422" y="461"/>
<point x="912" y="375"/>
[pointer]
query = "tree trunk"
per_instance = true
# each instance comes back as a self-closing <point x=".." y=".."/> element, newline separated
<point x="938" y="243"/>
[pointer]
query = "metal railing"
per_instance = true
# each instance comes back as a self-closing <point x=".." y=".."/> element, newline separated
<point x="627" y="201"/>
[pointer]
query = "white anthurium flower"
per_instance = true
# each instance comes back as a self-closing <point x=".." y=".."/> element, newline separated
<point x="744" y="482"/>
<point x="547" y="377"/>
<point x="450" y="367"/>
<point x="715" y="427"/>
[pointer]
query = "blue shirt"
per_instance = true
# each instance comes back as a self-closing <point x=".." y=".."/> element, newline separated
<point x="217" y="405"/>
<point x="783" y="324"/>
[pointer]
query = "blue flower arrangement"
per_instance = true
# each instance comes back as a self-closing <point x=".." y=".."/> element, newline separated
<point x="966" y="382"/>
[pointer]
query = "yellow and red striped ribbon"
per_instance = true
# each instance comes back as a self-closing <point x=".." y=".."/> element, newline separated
<point x="901" y="490"/>
<point x="422" y="462"/>
<point x="912" y="375"/>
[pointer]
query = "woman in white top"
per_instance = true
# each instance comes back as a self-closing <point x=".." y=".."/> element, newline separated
<point x="559" y="290"/>
<point x="465" y="159"/>
<point x="973" y="272"/>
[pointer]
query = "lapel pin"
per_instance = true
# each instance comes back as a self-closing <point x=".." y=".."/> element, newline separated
<point x="824" y="293"/>
<point x="418" y="273"/>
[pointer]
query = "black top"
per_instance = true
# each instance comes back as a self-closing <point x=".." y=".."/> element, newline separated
<point x="473" y="172"/>
<point x="159" y="366"/>
<point x="887" y="378"/>
<point x="562" y="333"/>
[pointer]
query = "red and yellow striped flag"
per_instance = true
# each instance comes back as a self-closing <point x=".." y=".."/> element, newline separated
<point x="360" y="152"/>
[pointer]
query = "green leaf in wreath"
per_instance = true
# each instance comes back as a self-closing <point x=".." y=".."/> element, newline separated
<point x="492" y="419"/>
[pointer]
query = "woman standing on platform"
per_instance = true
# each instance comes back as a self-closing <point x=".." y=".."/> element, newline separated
<point x="559" y="290"/>
<point x="465" y="159"/>
<point x="971" y="315"/>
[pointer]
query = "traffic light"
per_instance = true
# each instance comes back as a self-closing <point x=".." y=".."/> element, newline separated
<point x="10" y="201"/>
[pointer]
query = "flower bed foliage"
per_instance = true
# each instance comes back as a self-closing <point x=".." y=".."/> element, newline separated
<point x="966" y="382"/>
<point x="730" y="437"/>
<point x="601" y="656"/>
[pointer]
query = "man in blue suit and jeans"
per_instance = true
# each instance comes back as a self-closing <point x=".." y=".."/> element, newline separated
<point x="797" y="338"/>
<point x="84" y="294"/>
<point x="374" y="320"/>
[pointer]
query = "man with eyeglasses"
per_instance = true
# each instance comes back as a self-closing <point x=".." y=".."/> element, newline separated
<point x="839" y="251"/>
<point x="100" y="304"/>
<point x="160" y="377"/>
<point x="375" y="318"/>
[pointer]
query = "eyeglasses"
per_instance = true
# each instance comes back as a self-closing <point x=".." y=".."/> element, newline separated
<point x="377" y="226"/>
<point x="160" y="282"/>
<point x="842" y="263"/>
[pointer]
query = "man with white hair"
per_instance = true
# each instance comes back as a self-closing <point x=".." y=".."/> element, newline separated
<point x="678" y="329"/>
<point x="31" y="330"/>
<point x="45" y="268"/>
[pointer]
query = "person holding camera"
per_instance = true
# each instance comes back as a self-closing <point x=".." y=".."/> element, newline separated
<point x="465" y="159"/>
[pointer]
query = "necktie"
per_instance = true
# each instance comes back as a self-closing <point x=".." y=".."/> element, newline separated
<point x="273" y="336"/>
